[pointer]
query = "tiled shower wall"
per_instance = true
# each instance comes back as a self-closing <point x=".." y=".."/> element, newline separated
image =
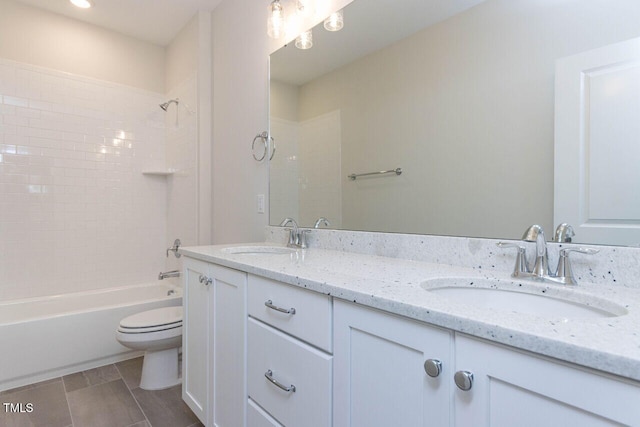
<point x="76" y="212"/>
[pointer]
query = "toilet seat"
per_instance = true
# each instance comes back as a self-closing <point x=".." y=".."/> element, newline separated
<point x="157" y="320"/>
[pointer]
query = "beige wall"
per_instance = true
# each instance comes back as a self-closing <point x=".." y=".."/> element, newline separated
<point x="283" y="100"/>
<point x="241" y="50"/>
<point x="473" y="103"/>
<point x="34" y="36"/>
<point x="240" y="112"/>
<point x="182" y="55"/>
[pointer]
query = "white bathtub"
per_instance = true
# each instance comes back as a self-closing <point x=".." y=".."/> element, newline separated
<point x="43" y="338"/>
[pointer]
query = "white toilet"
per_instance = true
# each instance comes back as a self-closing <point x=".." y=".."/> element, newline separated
<point x="159" y="333"/>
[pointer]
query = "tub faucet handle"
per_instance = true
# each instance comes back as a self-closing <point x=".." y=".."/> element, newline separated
<point x="174" y="248"/>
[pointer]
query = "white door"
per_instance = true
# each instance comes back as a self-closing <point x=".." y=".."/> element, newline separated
<point x="597" y="144"/>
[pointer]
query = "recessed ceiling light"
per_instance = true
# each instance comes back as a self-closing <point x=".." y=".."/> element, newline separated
<point x="84" y="4"/>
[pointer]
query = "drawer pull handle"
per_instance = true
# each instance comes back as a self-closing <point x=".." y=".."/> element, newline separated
<point x="269" y="304"/>
<point x="269" y="375"/>
<point x="205" y="280"/>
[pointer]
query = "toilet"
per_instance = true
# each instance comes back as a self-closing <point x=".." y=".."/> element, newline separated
<point x="159" y="333"/>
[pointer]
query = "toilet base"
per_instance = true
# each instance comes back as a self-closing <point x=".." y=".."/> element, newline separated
<point x="160" y="369"/>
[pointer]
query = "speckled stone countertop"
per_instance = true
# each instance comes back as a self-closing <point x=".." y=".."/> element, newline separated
<point x="396" y="285"/>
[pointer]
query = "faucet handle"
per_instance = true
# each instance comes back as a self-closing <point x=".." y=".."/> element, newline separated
<point x="521" y="266"/>
<point x="175" y="248"/>
<point x="587" y="251"/>
<point x="564" y="272"/>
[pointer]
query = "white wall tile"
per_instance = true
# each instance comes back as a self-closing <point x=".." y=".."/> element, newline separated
<point x="76" y="213"/>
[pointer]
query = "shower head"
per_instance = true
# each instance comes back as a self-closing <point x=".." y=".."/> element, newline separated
<point x="165" y="105"/>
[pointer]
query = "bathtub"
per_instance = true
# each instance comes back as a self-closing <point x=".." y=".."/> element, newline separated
<point x="43" y="338"/>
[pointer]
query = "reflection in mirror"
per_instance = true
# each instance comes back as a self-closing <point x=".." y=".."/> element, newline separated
<point x="463" y="102"/>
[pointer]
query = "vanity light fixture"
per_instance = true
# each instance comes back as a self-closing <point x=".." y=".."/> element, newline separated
<point x="276" y="20"/>
<point x="83" y="4"/>
<point x="305" y="40"/>
<point x="335" y="21"/>
<point x="304" y="7"/>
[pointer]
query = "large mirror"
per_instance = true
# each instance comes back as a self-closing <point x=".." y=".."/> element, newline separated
<point x="458" y="94"/>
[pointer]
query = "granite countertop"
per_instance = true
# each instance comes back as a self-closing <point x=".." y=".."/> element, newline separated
<point x="609" y="344"/>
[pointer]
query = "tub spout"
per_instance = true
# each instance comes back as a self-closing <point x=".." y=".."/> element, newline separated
<point x="167" y="274"/>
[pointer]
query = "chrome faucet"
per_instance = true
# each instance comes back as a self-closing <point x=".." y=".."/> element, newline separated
<point x="540" y="271"/>
<point x="541" y="265"/>
<point x="322" y="220"/>
<point x="297" y="237"/>
<point x="564" y="233"/>
<point x="167" y="274"/>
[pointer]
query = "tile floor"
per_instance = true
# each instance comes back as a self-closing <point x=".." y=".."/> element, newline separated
<point x="108" y="396"/>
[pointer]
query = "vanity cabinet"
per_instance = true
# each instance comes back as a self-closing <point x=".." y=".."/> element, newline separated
<point x="289" y="362"/>
<point x="512" y="387"/>
<point x="380" y="377"/>
<point x="213" y="343"/>
<point x="262" y="353"/>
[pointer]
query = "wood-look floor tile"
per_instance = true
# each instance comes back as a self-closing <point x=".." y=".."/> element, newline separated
<point x="28" y="386"/>
<point x="104" y="405"/>
<point x="49" y="402"/>
<point x="165" y="408"/>
<point x="101" y="375"/>
<point x="131" y="371"/>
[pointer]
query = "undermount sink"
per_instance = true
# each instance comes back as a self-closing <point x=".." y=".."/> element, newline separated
<point x="550" y="301"/>
<point x="259" y="250"/>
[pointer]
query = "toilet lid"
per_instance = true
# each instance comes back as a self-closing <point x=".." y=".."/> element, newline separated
<point x="166" y="316"/>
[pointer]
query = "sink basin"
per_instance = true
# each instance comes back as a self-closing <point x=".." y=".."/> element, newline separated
<point x="551" y="301"/>
<point x="259" y="250"/>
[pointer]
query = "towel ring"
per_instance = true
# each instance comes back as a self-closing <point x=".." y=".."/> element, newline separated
<point x="266" y="141"/>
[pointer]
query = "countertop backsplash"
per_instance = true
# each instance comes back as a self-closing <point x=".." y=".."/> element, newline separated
<point x="613" y="265"/>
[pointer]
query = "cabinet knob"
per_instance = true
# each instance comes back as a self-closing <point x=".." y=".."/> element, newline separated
<point x="433" y="367"/>
<point x="205" y="280"/>
<point x="464" y="380"/>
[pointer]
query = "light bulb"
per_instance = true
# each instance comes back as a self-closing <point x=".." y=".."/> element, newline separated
<point x="305" y="40"/>
<point x="84" y="4"/>
<point x="275" y="23"/>
<point x="334" y="22"/>
<point x="304" y="7"/>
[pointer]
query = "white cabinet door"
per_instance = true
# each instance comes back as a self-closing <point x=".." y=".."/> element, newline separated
<point x="597" y="128"/>
<point x="379" y="374"/>
<point x="195" y="338"/>
<point x="513" y="388"/>
<point x="213" y="343"/>
<point x="227" y="346"/>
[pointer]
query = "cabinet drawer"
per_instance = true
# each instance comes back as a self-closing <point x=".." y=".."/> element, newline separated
<point x="292" y="364"/>
<point x="257" y="417"/>
<point x="312" y="319"/>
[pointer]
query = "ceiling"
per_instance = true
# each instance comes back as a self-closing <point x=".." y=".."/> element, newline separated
<point x="155" y="21"/>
